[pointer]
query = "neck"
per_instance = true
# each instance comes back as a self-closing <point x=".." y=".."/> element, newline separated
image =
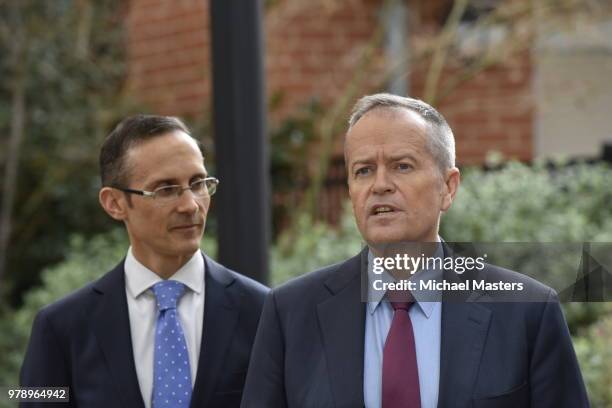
<point x="410" y="248"/>
<point x="164" y="267"/>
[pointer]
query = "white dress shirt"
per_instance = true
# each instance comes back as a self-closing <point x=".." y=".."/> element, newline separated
<point x="143" y="314"/>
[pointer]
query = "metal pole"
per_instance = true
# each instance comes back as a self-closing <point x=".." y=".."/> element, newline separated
<point x="242" y="202"/>
<point x="397" y="47"/>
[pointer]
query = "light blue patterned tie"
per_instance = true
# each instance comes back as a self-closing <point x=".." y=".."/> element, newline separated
<point x="172" y="374"/>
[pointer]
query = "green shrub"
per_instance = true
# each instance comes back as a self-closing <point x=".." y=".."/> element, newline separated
<point x="313" y="245"/>
<point x="532" y="204"/>
<point x="595" y="354"/>
<point x="536" y="204"/>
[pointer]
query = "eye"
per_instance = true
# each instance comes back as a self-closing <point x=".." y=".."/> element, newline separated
<point x="199" y="186"/>
<point x="404" y="167"/>
<point x="363" y="171"/>
<point x="167" y="191"/>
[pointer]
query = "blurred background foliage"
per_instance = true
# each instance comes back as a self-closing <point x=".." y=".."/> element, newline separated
<point x="60" y="93"/>
<point x="595" y="356"/>
<point x="289" y="158"/>
<point x="548" y="215"/>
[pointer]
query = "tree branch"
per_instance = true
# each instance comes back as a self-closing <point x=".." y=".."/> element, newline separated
<point x="441" y="51"/>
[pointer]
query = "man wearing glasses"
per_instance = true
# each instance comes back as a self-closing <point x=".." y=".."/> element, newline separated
<point x="168" y="326"/>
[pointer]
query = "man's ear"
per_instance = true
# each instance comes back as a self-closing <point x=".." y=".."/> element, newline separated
<point x="452" y="179"/>
<point x="113" y="203"/>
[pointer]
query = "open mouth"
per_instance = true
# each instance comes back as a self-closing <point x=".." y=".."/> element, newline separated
<point x="383" y="209"/>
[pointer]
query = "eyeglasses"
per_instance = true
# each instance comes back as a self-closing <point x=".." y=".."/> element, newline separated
<point x="205" y="187"/>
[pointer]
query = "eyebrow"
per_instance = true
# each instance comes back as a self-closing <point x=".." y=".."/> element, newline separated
<point x="361" y="161"/>
<point x="392" y="158"/>
<point x="157" y="183"/>
<point x="172" y="181"/>
<point x="401" y="156"/>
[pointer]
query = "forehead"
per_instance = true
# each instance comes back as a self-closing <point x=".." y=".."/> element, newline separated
<point x="387" y="130"/>
<point x="174" y="155"/>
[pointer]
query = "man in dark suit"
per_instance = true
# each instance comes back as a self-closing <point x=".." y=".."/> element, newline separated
<point x="326" y="340"/>
<point x="168" y="326"/>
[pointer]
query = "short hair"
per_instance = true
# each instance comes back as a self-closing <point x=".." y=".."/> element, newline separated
<point x="131" y="131"/>
<point x="440" y="140"/>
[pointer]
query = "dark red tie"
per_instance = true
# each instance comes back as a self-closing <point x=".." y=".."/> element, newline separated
<point x="400" y="378"/>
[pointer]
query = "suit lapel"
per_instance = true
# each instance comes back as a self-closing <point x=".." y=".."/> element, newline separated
<point x="111" y="326"/>
<point x="465" y="326"/>
<point x="342" y="324"/>
<point x="220" y="319"/>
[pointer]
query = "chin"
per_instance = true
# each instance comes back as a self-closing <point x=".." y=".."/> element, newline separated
<point x="381" y="241"/>
<point x="387" y="236"/>
<point x="188" y="248"/>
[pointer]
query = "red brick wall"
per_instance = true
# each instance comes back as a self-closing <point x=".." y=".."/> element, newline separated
<point x="168" y="55"/>
<point x="493" y="111"/>
<point x="312" y="49"/>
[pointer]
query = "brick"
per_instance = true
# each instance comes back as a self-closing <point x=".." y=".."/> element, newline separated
<point x="168" y="28"/>
<point x="155" y="13"/>
<point x="163" y="47"/>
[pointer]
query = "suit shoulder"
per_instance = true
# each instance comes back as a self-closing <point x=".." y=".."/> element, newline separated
<point x="248" y="284"/>
<point x="79" y="302"/>
<point x="494" y="272"/>
<point x="66" y="314"/>
<point x="533" y="290"/>
<point x="313" y="287"/>
<point x="308" y="281"/>
<point x="225" y="275"/>
<point x="70" y="303"/>
<point x="249" y="293"/>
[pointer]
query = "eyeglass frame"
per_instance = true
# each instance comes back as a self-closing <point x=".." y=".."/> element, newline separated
<point x="153" y="194"/>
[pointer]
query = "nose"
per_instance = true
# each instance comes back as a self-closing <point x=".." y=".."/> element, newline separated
<point x="382" y="182"/>
<point x="189" y="203"/>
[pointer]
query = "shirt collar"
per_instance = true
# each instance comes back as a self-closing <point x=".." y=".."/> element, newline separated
<point x="423" y="300"/>
<point x="139" y="278"/>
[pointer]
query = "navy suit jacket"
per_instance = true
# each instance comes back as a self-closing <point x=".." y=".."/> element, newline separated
<point x="309" y="348"/>
<point x="83" y="342"/>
